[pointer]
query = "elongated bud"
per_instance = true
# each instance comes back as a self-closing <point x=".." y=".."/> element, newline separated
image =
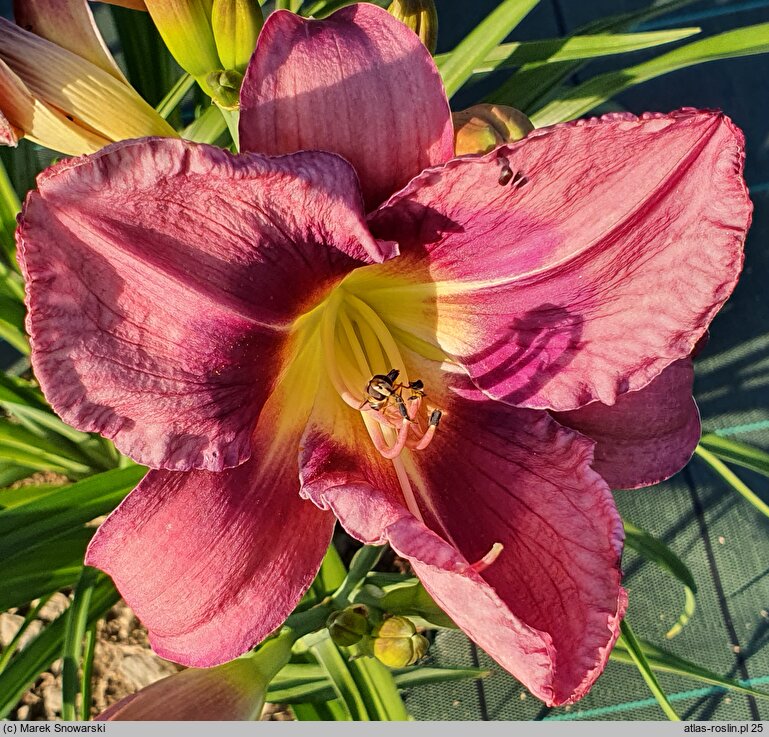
<point x="348" y="626"/>
<point x="481" y="128"/>
<point x="185" y="26"/>
<point x="236" y="25"/>
<point x="420" y="16"/>
<point x="398" y="644"/>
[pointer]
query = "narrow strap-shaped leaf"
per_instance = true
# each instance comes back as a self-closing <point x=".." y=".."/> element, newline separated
<point x="639" y="659"/>
<point x="89" y="651"/>
<point x="46" y="647"/>
<point x="474" y="48"/>
<point x="666" y="662"/>
<point x="30" y="617"/>
<point x="584" y="97"/>
<point x="533" y="84"/>
<point x="334" y="663"/>
<point x="732" y="479"/>
<point x="52" y="564"/>
<point x="572" y="48"/>
<point x="77" y="622"/>
<point x="175" y="95"/>
<point x="737" y="452"/>
<point x="9" y="208"/>
<point x="657" y="552"/>
<point x="379" y="690"/>
<point x="68" y="506"/>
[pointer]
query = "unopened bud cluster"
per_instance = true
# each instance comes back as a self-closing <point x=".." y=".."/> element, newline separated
<point x="394" y="641"/>
<point x="481" y="128"/>
<point x="420" y="16"/>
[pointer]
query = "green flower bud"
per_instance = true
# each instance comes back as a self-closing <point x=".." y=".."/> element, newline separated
<point x="224" y="86"/>
<point x="397" y="643"/>
<point x="348" y="626"/>
<point x="420" y="16"/>
<point x="481" y="128"/>
<point x="236" y="25"/>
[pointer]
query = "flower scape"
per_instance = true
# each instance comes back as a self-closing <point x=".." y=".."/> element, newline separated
<point x="456" y="355"/>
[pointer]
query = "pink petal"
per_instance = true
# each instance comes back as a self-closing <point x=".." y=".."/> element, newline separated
<point x="648" y="435"/>
<point x="9" y="136"/>
<point x="213" y="562"/>
<point x="587" y="280"/>
<point x="358" y="83"/>
<point x="162" y="278"/>
<point x="548" y="608"/>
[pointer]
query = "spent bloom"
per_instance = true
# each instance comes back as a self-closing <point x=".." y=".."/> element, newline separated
<point x="60" y="86"/>
<point x="350" y="323"/>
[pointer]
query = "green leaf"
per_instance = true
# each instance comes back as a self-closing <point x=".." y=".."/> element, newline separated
<point x="584" y="97"/>
<point x="11" y="473"/>
<point x="732" y="479"/>
<point x="476" y="46"/>
<point x="665" y="662"/>
<point x="409" y="598"/>
<point x="421" y="676"/>
<point x="740" y="453"/>
<point x="77" y="623"/>
<point x="573" y="48"/>
<point x="38" y="655"/>
<point x="175" y="95"/>
<point x="26" y="525"/>
<point x="633" y="648"/>
<point x="209" y="127"/>
<point x="51" y="452"/>
<point x="336" y="666"/>
<point x="534" y="84"/>
<point x="23" y="494"/>
<point x="49" y="566"/>
<point x="657" y="552"/>
<point x="9" y="208"/>
<point x="378" y="689"/>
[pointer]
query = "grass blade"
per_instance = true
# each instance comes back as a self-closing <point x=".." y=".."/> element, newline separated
<point x="584" y="97"/>
<point x="46" y="647"/>
<point x="732" y="479"/>
<point x="636" y="653"/>
<point x="459" y="65"/>
<point x="657" y="552"/>
<point x="665" y="662"/>
<point x="740" y="453"/>
<point x="573" y="48"/>
<point x="77" y="622"/>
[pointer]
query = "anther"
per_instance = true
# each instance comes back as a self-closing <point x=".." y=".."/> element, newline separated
<point x="435" y="417"/>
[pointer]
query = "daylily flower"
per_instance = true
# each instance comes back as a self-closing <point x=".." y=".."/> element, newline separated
<point x="458" y="367"/>
<point x="59" y="85"/>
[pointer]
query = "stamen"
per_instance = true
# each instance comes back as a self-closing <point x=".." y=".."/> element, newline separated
<point x="408" y="492"/>
<point x="435" y="418"/>
<point x="488" y="559"/>
<point x="328" y="339"/>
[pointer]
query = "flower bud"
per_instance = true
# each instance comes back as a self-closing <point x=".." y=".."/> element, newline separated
<point x="348" y="626"/>
<point x="236" y="25"/>
<point x="185" y="26"/>
<point x="224" y="87"/>
<point x="420" y="16"/>
<point x="481" y="128"/>
<point x="397" y="643"/>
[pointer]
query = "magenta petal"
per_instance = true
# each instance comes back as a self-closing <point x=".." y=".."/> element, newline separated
<point x="213" y="562"/>
<point x="162" y="277"/>
<point x="648" y="435"/>
<point x="548" y="608"/>
<point x="358" y="83"/>
<point x="588" y="278"/>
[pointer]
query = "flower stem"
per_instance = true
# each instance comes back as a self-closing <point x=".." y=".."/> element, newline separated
<point x="363" y="561"/>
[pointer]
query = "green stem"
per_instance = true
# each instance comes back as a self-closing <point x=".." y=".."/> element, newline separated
<point x="363" y="561"/>
<point x="311" y="620"/>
